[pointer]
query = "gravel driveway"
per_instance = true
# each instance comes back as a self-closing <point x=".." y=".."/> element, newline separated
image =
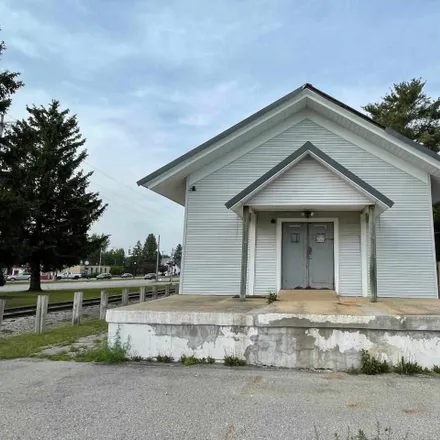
<point x="63" y="400"/>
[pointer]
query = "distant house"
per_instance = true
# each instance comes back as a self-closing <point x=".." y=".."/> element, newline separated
<point x="307" y="193"/>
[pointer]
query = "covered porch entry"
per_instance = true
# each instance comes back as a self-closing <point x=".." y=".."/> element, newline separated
<point x="309" y="223"/>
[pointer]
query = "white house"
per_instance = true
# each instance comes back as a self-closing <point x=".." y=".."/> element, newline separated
<point x="306" y="193"/>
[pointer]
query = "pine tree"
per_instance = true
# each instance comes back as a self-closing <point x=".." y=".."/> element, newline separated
<point x="46" y="192"/>
<point x="177" y="255"/>
<point x="409" y="111"/>
<point x="9" y="84"/>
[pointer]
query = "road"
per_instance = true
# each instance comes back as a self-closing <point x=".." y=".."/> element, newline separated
<point x="66" y="400"/>
<point x="79" y="284"/>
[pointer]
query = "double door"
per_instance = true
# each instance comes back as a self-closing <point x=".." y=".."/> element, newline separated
<point x="307" y="256"/>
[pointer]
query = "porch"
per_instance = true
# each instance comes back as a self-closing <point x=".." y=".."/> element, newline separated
<point x="303" y="329"/>
<point x="314" y="191"/>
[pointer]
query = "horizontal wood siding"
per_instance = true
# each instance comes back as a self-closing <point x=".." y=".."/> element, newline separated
<point x="405" y="257"/>
<point x="308" y="182"/>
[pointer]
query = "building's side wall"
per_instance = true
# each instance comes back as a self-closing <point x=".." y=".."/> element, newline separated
<point x="405" y="252"/>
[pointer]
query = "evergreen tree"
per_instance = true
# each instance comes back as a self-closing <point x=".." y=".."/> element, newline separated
<point x="9" y="84"/>
<point x="136" y="257"/>
<point x="409" y="111"/>
<point x="45" y="190"/>
<point x="177" y="255"/>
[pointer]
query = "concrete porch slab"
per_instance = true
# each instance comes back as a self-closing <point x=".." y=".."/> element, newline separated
<point x="306" y="329"/>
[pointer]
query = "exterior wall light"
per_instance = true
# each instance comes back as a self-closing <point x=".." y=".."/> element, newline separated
<point x="307" y="214"/>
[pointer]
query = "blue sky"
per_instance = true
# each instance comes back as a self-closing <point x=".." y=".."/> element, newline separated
<point x="151" y="79"/>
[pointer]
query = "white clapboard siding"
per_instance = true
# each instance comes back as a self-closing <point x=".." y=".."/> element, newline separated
<point x="405" y="260"/>
<point x="308" y="182"/>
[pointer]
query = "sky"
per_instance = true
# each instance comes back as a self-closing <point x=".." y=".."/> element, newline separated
<point x="149" y="80"/>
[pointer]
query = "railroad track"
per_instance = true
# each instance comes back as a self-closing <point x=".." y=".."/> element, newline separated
<point x="17" y="312"/>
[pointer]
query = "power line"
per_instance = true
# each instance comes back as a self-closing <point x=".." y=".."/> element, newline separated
<point x="117" y="181"/>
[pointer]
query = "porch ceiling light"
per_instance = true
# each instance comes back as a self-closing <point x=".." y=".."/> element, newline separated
<point x="307" y="214"/>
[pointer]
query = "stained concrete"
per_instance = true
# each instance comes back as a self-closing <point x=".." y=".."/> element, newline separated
<point x="306" y="329"/>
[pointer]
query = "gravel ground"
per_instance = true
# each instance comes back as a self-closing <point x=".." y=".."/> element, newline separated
<point x="67" y="400"/>
<point x="26" y="324"/>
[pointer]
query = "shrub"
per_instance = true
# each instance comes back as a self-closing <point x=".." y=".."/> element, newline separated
<point x="233" y="361"/>
<point x="272" y="297"/>
<point x="164" y="358"/>
<point x="436" y="369"/>
<point x="370" y="365"/>
<point x="409" y="368"/>
<point x="210" y="360"/>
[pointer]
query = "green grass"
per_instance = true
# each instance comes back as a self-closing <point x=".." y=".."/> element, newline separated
<point x="104" y="353"/>
<point x="27" y="345"/>
<point x="14" y="299"/>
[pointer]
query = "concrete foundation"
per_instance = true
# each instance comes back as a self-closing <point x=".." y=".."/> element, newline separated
<point x="277" y="334"/>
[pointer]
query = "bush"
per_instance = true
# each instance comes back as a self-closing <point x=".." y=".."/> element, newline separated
<point x="117" y="270"/>
<point x="370" y="365"/>
<point x="409" y="368"/>
<point x="436" y="369"/>
<point x="233" y="361"/>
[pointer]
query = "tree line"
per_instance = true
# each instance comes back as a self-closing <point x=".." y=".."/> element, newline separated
<point x="141" y="259"/>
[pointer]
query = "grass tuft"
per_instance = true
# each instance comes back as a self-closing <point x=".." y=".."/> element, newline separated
<point x="233" y="361"/>
<point x="408" y="368"/>
<point x="370" y="365"/>
<point x="110" y="354"/>
<point x="164" y="358"/>
<point x="192" y="360"/>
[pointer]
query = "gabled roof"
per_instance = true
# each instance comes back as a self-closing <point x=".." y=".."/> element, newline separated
<point x="169" y="180"/>
<point x="309" y="148"/>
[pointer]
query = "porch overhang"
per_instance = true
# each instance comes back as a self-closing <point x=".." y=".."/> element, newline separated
<point x="373" y="196"/>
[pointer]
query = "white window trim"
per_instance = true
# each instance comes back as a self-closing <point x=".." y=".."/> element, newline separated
<point x="279" y="237"/>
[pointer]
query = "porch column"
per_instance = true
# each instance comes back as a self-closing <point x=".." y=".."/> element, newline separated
<point x="244" y="252"/>
<point x="373" y="266"/>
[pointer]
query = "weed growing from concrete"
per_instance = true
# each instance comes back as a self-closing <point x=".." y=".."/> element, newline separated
<point x="408" y="368"/>
<point x="380" y="434"/>
<point x="272" y="297"/>
<point x="164" y="358"/>
<point x="136" y="358"/>
<point x="111" y="354"/>
<point x="370" y="365"/>
<point x="192" y="360"/>
<point x="233" y="361"/>
<point x="436" y="369"/>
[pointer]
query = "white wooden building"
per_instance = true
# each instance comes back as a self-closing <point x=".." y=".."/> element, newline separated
<point x="303" y="194"/>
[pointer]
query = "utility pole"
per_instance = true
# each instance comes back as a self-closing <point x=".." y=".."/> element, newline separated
<point x="158" y="258"/>
<point x="2" y="124"/>
<point x="100" y="255"/>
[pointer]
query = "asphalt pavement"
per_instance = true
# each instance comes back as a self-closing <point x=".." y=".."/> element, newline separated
<point x="11" y="286"/>
<point x="67" y="400"/>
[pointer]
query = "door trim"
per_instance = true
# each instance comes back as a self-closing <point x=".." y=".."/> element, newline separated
<point x="279" y="237"/>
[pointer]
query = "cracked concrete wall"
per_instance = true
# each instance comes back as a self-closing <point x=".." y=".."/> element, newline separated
<point x="288" y="346"/>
